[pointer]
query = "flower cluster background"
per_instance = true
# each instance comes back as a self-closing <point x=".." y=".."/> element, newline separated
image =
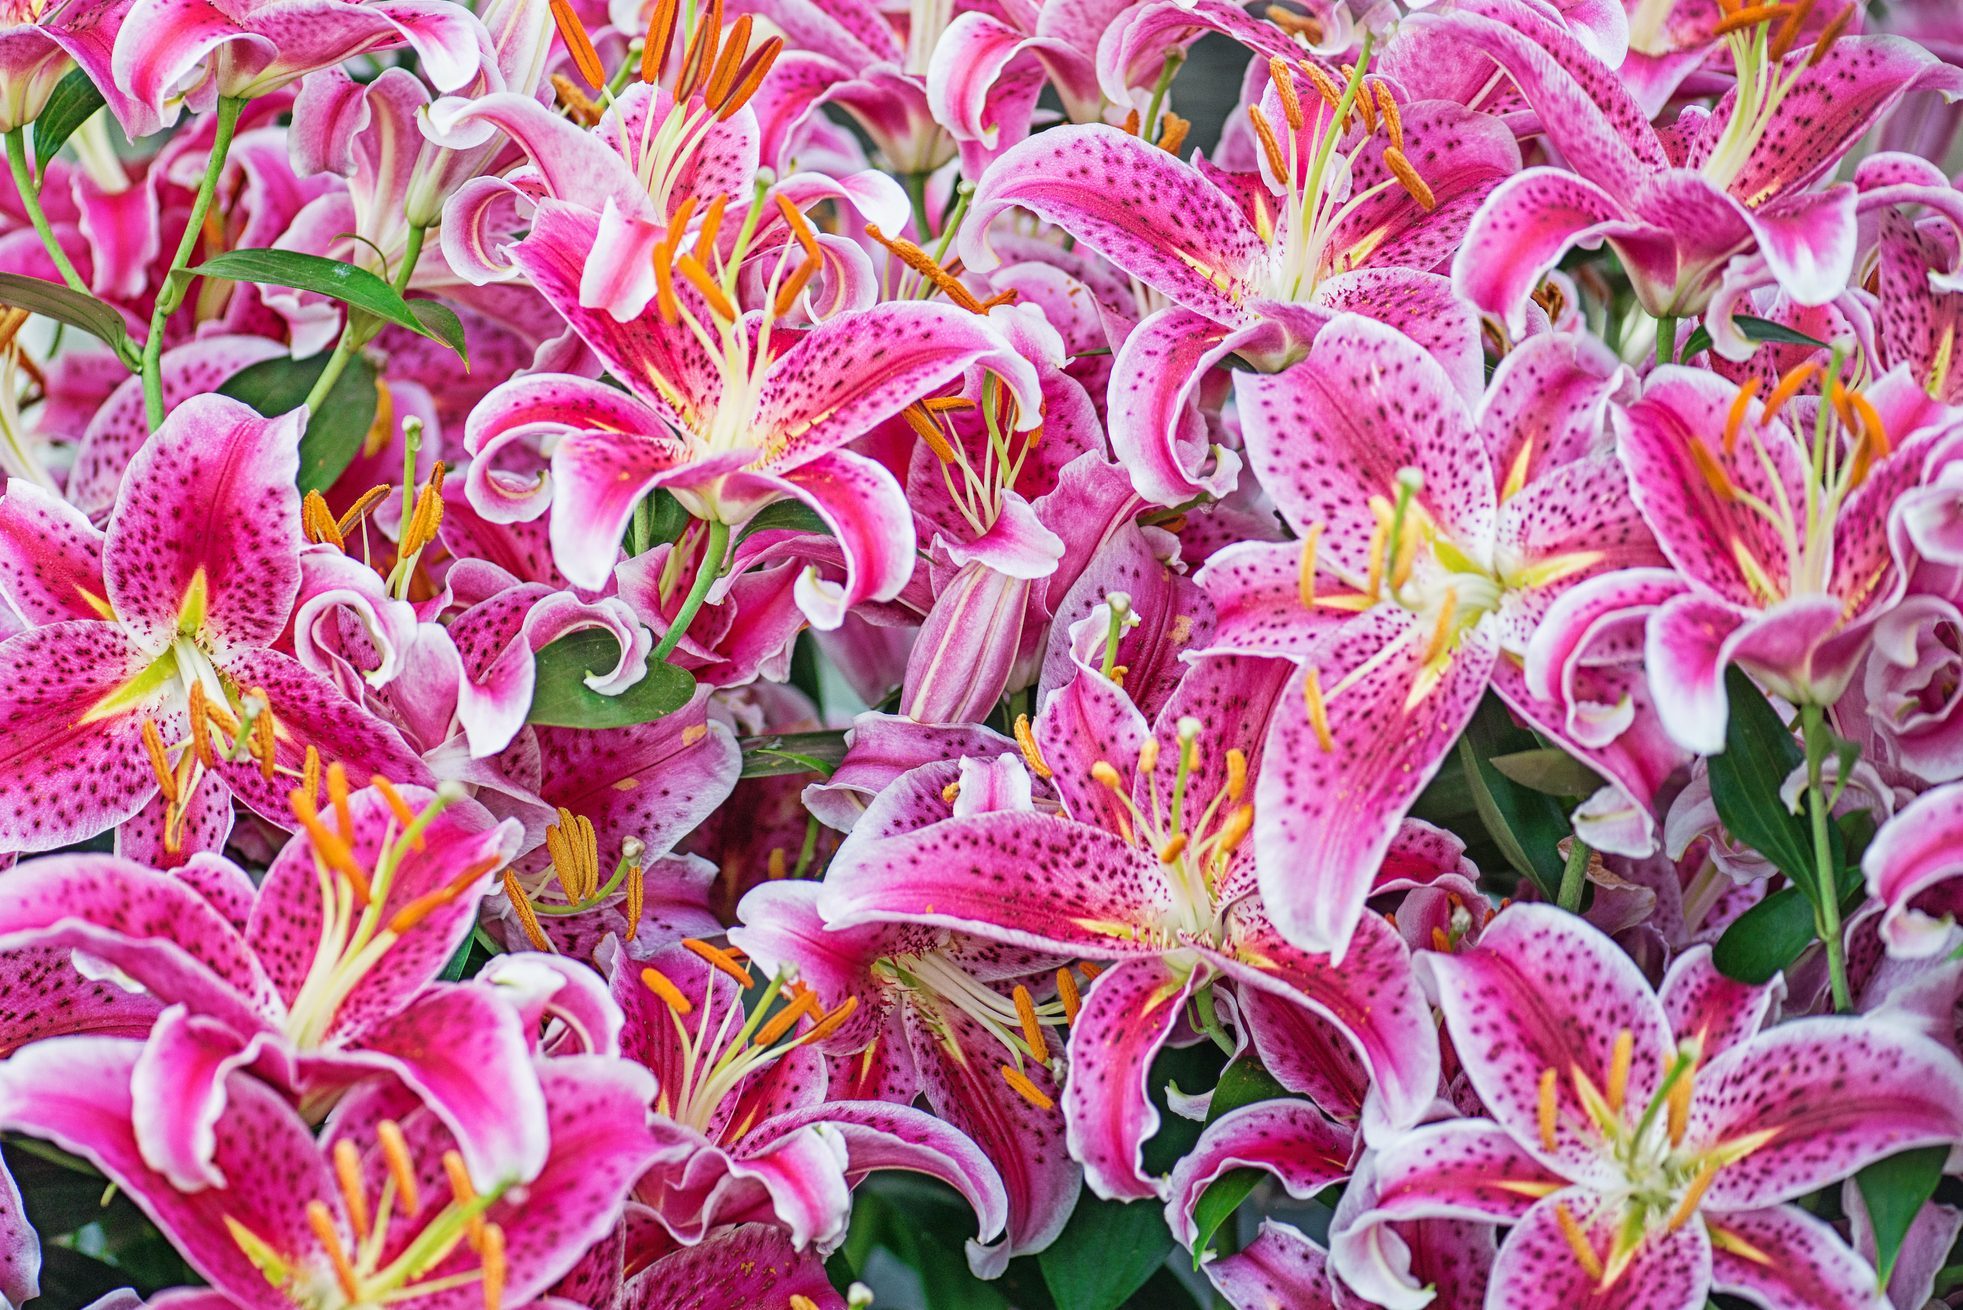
<point x="775" y="654"/>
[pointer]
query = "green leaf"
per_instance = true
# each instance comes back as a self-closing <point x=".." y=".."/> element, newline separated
<point x="792" y="752"/>
<point x="352" y="286"/>
<point x="1766" y="938"/>
<point x="1524" y="824"/>
<point x="73" y="103"/>
<point x="1762" y="330"/>
<point x="1243" y="1082"/>
<point x="334" y="434"/>
<point x="440" y="323"/>
<point x="1550" y="771"/>
<point x="1105" y="1253"/>
<point x="561" y="698"/>
<point x="1895" y="1189"/>
<point x="1759" y="753"/>
<point x="55" y="301"/>
<point x="785" y="516"/>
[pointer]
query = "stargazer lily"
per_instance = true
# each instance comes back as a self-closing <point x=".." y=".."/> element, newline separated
<point x="1645" y="1146"/>
<point x="321" y="977"/>
<point x="1740" y="180"/>
<point x="1148" y="865"/>
<point x="145" y="671"/>
<point x="962" y="1020"/>
<point x="731" y="408"/>
<point x="380" y="1211"/>
<point x="1430" y="545"/>
<point x="742" y="1109"/>
<point x="1354" y="190"/>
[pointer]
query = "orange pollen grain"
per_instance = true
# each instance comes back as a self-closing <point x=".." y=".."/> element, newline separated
<point x="786" y="1018"/>
<point x="1578" y="1241"/>
<point x="1067" y="993"/>
<point x="347" y="1175"/>
<point x="321" y="1220"/>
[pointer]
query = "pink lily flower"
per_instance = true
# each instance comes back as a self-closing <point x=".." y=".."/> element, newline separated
<point x="744" y="1267"/>
<point x="1349" y="199"/>
<point x="743" y="1115"/>
<point x="1644" y="1145"/>
<point x="1148" y="865"/>
<point x="1912" y="872"/>
<point x="1739" y="180"/>
<point x="1782" y="543"/>
<point x="168" y="56"/>
<point x="147" y="666"/>
<point x="319" y="978"/>
<point x="940" y="1015"/>
<point x="731" y="410"/>
<point x="1431" y="546"/>
<point x="380" y="1209"/>
<point x="39" y="44"/>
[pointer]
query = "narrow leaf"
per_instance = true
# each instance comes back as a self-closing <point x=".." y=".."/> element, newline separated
<point x="55" y="301"/>
<point x="352" y="286"/>
<point x="335" y="433"/>
<point x="561" y="698"/>
<point x="73" y="103"/>
<point x="1243" y="1082"/>
<point x="1550" y="771"/>
<point x="792" y="752"/>
<point x="1762" y="330"/>
<point x="785" y="516"/>
<point x="1525" y="824"/>
<point x="440" y="323"/>
<point x="1105" y="1253"/>
<point x="1759" y="753"/>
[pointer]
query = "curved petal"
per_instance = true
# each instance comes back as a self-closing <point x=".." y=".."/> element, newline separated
<point x="1288" y="1139"/>
<point x="1156" y="430"/>
<point x="1280" y="1267"/>
<point x="1107" y="1102"/>
<point x="862" y="503"/>
<point x="1537" y="1267"/>
<point x="50" y="557"/>
<point x="1784" y="1259"/>
<point x="1521" y="231"/>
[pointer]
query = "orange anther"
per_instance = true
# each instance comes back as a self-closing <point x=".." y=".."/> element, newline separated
<point x="1019" y="1082"/>
<point x="660" y="984"/>
<point x="578" y="44"/>
<point x="1284" y="81"/>
<point x="153" y="747"/>
<point x="660" y="37"/>
<point x="750" y="76"/>
<point x="721" y="959"/>
<point x="805" y="1002"/>
<point x="1318" y="709"/>
<point x="1734" y="418"/>
<point x="1067" y="993"/>
<point x="1270" y="145"/>
<point x="832" y="1022"/>
<point x="521" y="905"/>
<point x="321" y="1220"/>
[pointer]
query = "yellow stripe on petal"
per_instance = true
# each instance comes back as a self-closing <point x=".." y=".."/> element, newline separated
<point x="132" y="693"/>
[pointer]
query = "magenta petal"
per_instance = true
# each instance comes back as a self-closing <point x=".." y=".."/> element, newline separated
<point x="1458" y="1168"/>
<point x="209" y="538"/>
<point x="50" y="557"/>
<point x="862" y="504"/>
<point x="1140" y="207"/>
<point x="1288" y="1139"/>
<point x="179" y="1089"/>
<point x="1836" y="1093"/>
<point x="597" y="479"/>
<point x="747" y="1267"/>
<point x="1685" y="656"/>
<point x="71" y="753"/>
<point x="1544" y="990"/>
<point x="1806" y="1265"/>
<point x="1157" y="430"/>
<point x="76" y="1092"/>
<point x="1914" y="854"/>
<point x="1537" y="1268"/>
<point x="1718" y="1012"/>
<point x="1280" y="1267"/>
<point x="1327" y="816"/>
<point x="20" y="1248"/>
<point x="462" y="1051"/>
<point x="152" y="926"/>
<point x="1522" y="230"/>
<point x="1107" y="1102"/>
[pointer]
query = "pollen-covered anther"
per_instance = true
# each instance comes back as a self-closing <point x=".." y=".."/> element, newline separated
<point x="427" y="516"/>
<point x="1577" y="1238"/>
<point x="1790" y="385"/>
<point x="521" y="905"/>
<point x="1271" y="149"/>
<point x="329" y="846"/>
<point x="1068" y="995"/>
<point x="655" y="46"/>
<point x="1296" y="25"/>
<point x="1546" y="1108"/>
<point x="1174" y="847"/>
<point x="1305" y="571"/>
<point x="1749" y="17"/>
<point x="1408" y="177"/>
<point x="317" y="523"/>
<point x="1032" y="1026"/>
<point x="832" y="1021"/>
<point x="490" y="1255"/>
<point x="1734" y="419"/>
<point x="1325" y="85"/>
<point x="1236" y="774"/>
<point x="1392" y="116"/>
<point x="719" y="959"/>
<point x="1677" y="1105"/>
<point x="428" y="903"/>
<point x="1172" y="132"/>
<point x="153" y="747"/>
<point x="805" y="1002"/>
<point x="401" y="1166"/>
<point x="1710" y="470"/>
<point x="1107" y="777"/>
<point x="1830" y="34"/>
<point x="321" y="1220"/>
<point x="579" y="108"/>
<point x="1786" y="35"/>
<point x="1700" y="1183"/>
<point x="575" y="853"/>
<point x="578" y="44"/>
<point x="700" y="54"/>
<point x="1317" y="709"/>
<point x="1234" y="831"/>
<point x="1441" y="628"/>
<point x="1020" y="1084"/>
<point x="1032" y="754"/>
<point x="1284" y="81"/>
<point x="927" y="267"/>
<point x="1619" y="1061"/>
<point x="928" y="429"/>
<point x="463" y="1193"/>
<point x="661" y="985"/>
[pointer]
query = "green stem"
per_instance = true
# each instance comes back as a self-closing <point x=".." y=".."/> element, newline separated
<point x="30" y="199"/>
<point x="1666" y="338"/>
<point x="344" y="352"/>
<point x="1826" y="903"/>
<point x="706" y="574"/>
<point x="412" y="250"/>
<point x="1149" y="130"/>
<point x="171" y="294"/>
<point x="1574" y="876"/>
<point x="1207" y="1021"/>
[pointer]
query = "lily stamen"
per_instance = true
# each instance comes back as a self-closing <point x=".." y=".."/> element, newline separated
<point x="1032" y="1027"/>
<point x="1019" y="1083"/>
<point x="1584" y="1251"/>
<point x="1032" y="755"/>
<point x="721" y="960"/>
<point x="1318" y="711"/>
<point x="578" y="44"/>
